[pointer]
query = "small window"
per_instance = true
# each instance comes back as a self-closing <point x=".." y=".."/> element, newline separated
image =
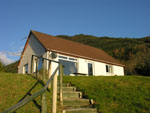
<point x="73" y="59"/>
<point x="109" y="68"/>
<point x="62" y="57"/>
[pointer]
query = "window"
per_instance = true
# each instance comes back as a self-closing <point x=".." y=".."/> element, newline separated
<point x="69" y="63"/>
<point x="73" y="59"/>
<point x="109" y="69"/>
<point x="40" y="63"/>
<point x="62" y="57"/>
<point x="69" y="66"/>
<point x="67" y="58"/>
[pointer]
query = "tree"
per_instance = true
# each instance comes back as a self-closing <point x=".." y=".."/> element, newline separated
<point x="143" y="69"/>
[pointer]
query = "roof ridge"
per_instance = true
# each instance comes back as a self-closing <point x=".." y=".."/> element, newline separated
<point x="69" y="40"/>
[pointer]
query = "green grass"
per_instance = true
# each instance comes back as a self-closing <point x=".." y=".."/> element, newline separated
<point x="128" y="94"/>
<point x="14" y="86"/>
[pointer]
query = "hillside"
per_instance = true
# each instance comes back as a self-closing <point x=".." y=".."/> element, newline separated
<point x="134" y="53"/>
<point x="128" y="94"/>
<point x="12" y="68"/>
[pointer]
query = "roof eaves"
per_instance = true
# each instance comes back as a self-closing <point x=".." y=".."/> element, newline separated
<point x="86" y="57"/>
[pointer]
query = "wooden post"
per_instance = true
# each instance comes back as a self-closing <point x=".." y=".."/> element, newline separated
<point x="49" y="73"/>
<point x="44" y="101"/>
<point x="32" y="60"/>
<point x="60" y="87"/>
<point x="36" y="67"/>
<point x="54" y="104"/>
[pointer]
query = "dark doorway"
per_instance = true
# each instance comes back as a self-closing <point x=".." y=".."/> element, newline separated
<point x="90" y="69"/>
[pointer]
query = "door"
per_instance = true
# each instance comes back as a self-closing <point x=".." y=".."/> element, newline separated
<point x="90" y="69"/>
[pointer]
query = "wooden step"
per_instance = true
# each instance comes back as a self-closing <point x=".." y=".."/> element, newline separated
<point x="75" y="103"/>
<point x="69" y="88"/>
<point x="72" y="94"/>
<point x="81" y="110"/>
<point x="64" y="84"/>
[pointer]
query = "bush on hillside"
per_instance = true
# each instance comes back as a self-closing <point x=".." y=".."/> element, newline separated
<point x="12" y="68"/>
<point x="143" y="68"/>
<point x="1" y="67"/>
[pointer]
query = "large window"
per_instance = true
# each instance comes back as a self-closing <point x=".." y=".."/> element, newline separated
<point x="69" y="67"/>
<point x="109" y="69"/>
<point x="69" y="63"/>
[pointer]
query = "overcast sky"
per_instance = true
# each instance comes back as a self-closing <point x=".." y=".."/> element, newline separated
<point x="114" y="18"/>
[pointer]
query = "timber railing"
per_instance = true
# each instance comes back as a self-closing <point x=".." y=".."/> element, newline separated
<point x="47" y="84"/>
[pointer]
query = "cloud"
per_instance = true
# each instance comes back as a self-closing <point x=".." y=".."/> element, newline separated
<point x="4" y="59"/>
<point x="7" y="57"/>
<point x="13" y="53"/>
<point x="17" y="53"/>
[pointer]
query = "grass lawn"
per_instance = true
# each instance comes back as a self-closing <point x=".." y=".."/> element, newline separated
<point x="14" y="86"/>
<point x="128" y="94"/>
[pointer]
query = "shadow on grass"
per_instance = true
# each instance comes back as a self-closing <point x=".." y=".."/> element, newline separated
<point x="29" y="93"/>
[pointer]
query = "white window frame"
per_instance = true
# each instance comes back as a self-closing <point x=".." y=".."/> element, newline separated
<point x="67" y="58"/>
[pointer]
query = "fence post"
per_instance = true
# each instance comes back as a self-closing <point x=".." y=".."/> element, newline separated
<point x="49" y="73"/>
<point x="32" y="59"/>
<point x="36" y="67"/>
<point x="44" y="101"/>
<point x="54" y="104"/>
<point x="61" y="80"/>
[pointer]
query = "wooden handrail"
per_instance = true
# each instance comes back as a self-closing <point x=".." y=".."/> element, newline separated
<point x="42" y="91"/>
<point x="30" y="98"/>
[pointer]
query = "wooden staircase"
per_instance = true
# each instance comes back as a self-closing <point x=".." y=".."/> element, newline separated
<point x="74" y="103"/>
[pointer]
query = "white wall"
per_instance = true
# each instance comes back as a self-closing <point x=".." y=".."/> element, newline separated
<point x="33" y="48"/>
<point x="118" y="70"/>
<point x="100" y="68"/>
<point x="82" y="66"/>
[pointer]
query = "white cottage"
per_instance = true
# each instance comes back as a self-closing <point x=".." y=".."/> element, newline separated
<point x="77" y="58"/>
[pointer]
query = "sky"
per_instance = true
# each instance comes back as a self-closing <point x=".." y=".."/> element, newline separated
<point x="113" y="18"/>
